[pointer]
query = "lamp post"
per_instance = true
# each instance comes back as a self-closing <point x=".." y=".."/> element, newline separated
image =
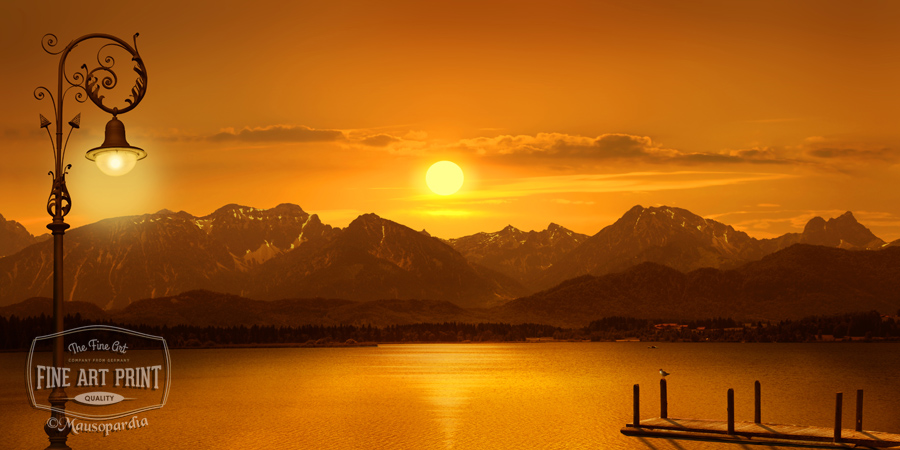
<point x="115" y="157"/>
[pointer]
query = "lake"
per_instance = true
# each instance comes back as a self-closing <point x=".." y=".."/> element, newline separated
<point x="478" y="396"/>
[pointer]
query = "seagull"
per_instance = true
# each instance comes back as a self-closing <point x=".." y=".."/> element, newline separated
<point x="663" y="373"/>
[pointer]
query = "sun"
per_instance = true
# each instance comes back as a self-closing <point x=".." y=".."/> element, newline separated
<point x="444" y="178"/>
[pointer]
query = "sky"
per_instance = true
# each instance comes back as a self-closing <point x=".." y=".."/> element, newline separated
<point x="758" y="114"/>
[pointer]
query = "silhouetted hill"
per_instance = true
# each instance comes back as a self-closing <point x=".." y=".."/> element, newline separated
<point x="206" y="308"/>
<point x="799" y="281"/>
<point x="34" y="307"/>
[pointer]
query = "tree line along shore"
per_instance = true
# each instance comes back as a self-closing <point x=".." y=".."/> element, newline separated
<point x="17" y="333"/>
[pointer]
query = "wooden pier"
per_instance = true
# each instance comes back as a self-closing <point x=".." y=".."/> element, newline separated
<point x="757" y="432"/>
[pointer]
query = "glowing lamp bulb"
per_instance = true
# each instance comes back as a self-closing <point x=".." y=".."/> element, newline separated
<point x="115" y="157"/>
<point x="116" y="163"/>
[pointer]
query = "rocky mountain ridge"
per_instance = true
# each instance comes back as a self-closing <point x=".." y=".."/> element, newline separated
<point x="285" y="252"/>
<point x="14" y="237"/>
<point x="518" y="254"/>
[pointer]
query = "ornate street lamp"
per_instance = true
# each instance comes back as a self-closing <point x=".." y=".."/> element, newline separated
<point x="115" y="157"/>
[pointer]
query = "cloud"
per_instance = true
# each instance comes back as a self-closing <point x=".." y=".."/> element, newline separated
<point x="11" y="133"/>
<point x="825" y="150"/>
<point x="881" y="154"/>
<point x="605" y="146"/>
<point x="380" y="140"/>
<point x="760" y="155"/>
<point x="278" y="133"/>
<point x="30" y="133"/>
<point x="576" y="149"/>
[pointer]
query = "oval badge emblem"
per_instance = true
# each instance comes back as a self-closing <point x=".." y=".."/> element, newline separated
<point x="98" y="398"/>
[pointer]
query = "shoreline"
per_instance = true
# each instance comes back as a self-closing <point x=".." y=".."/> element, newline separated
<point x="377" y="344"/>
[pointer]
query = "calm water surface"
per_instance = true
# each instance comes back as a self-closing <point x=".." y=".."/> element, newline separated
<point x="478" y="396"/>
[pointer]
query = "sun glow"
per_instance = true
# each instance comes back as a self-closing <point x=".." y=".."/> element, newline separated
<point x="444" y="178"/>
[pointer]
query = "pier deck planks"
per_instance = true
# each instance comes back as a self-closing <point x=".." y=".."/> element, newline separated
<point x="750" y="431"/>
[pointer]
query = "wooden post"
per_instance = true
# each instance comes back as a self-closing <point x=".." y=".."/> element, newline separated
<point x="637" y="406"/>
<point x="859" y="403"/>
<point x="731" y="411"/>
<point x="757" y="416"/>
<point x="837" y="417"/>
<point x="663" y="400"/>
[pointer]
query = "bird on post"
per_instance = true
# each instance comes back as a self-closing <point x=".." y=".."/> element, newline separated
<point x="663" y="373"/>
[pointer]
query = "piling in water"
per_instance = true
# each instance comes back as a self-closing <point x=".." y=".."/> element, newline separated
<point x="637" y="406"/>
<point x="663" y="400"/>
<point x="859" y="403"/>
<point x="837" y="416"/>
<point x="731" y="411"/>
<point x="757" y="416"/>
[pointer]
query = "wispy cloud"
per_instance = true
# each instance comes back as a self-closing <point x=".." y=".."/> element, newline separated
<point x="380" y="140"/>
<point x="277" y="133"/>
<point x="822" y="149"/>
<point x="858" y="154"/>
<point x="606" y="147"/>
<point x="626" y="182"/>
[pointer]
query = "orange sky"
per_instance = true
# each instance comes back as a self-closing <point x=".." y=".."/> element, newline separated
<point x="758" y="114"/>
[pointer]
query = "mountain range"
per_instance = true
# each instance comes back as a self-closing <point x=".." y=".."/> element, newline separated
<point x="799" y="281"/>
<point x="679" y="239"/>
<point x="285" y="253"/>
<point x="282" y="252"/>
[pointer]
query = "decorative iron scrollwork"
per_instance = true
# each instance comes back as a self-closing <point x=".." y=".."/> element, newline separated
<point x="59" y="200"/>
<point x="89" y="83"/>
<point x="94" y="81"/>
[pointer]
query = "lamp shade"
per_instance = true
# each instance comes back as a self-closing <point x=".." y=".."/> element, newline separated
<point x="115" y="156"/>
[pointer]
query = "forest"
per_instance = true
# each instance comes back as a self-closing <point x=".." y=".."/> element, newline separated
<point x="17" y="333"/>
